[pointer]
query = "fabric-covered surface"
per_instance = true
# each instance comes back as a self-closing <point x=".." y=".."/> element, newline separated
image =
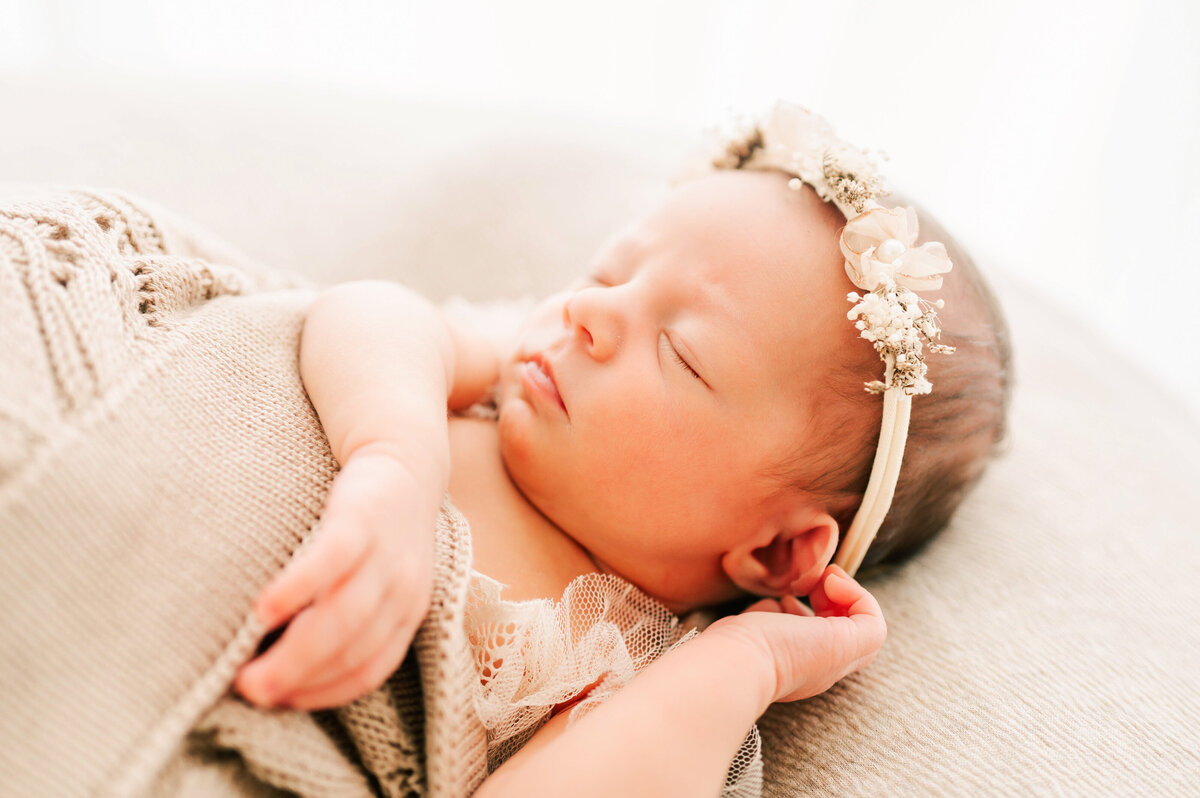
<point x="160" y="462"/>
<point x="1044" y="645"/>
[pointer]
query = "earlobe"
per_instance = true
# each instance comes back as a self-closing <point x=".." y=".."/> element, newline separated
<point x="791" y="560"/>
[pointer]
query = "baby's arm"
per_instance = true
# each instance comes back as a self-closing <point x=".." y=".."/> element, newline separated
<point x="674" y="730"/>
<point x="381" y="365"/>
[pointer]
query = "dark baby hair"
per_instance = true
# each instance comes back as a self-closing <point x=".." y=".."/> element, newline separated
<point x="954" y="431"/>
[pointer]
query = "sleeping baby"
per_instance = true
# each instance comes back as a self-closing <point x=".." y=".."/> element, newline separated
<point x="716" y="413"/>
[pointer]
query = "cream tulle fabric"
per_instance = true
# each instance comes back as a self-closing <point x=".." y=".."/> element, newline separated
<point x="534" y="655"/>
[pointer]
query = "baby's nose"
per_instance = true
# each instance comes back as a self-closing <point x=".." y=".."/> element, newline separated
<point x="595" y="321"/>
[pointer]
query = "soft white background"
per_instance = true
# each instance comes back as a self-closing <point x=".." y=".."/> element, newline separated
<point x="1058" y="140"/>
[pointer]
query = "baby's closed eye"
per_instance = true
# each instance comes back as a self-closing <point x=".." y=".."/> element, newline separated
<point x="664" y="343"/>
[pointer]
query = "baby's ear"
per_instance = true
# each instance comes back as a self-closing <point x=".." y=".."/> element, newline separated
<point x="787" y="559"/>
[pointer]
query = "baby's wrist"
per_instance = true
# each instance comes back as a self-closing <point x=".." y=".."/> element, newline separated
<point x="748" y="659"/>
<point x="423" y="470"/>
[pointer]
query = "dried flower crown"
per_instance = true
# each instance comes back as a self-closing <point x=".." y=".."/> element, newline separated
<point x="882" y="260"/>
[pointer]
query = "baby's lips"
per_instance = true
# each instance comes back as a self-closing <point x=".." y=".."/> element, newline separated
<point x="544" y="375"/>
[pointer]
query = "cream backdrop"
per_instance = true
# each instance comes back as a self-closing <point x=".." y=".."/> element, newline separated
<point x="1057" y="139"/>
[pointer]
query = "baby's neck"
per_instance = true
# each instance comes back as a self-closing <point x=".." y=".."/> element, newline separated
<point x="511" y="541"/>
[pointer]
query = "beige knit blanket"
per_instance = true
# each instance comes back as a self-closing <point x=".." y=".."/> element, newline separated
<point x="159" y="461"/>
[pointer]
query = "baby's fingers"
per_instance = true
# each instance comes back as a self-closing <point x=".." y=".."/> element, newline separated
<point x="337" y="551"/>
<point x="360" y="649"/>
<point x="850" y="594"/>
<point x="317" y="635"/>
<point x="839" y="594"/>
<point x="357" y="683"/>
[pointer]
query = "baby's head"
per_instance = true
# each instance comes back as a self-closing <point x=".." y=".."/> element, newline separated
<point x="693" y="413"/>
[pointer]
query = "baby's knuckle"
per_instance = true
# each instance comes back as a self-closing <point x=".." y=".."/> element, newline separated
<point x="413" y="575"/>
<point x="363" y="680"/>
<point x="416" y="605"/>
<point x="344" y="660"/>
<point x="341" y="548"/>
<point x="378" y="673"/>
<point x="358" y="604"/>
<point x="407" y="625"/>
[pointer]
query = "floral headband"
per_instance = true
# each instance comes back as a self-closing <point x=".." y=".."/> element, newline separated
<point x="881" y="259"/>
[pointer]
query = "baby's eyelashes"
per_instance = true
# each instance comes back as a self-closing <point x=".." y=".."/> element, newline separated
<point x="669" y="348"/>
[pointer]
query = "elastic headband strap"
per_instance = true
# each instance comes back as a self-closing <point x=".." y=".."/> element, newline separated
<point x="885" y="472"/>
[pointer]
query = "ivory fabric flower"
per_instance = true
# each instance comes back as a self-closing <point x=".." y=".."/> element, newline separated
<point x="795" y="140"/>
<point x="798" y="142"/>
<point x="878" y="246"/>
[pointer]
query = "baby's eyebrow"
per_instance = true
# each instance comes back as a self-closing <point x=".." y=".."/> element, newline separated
<point x="618" y="255"/>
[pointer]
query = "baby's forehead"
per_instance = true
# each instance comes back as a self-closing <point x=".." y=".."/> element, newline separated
<point x="738" y="220"/>
<point x="763" y="256"/>
<point x="767" y="246"/>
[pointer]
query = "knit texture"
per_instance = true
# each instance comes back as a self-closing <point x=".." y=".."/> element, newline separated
<point x="159" y="462"/>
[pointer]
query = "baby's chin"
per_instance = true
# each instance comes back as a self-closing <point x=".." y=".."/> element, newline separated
<point x="523" y="448"/>
<point x="514" y="419"/>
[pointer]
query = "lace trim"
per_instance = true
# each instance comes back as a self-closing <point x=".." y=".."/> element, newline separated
<point x="539" y="656"/>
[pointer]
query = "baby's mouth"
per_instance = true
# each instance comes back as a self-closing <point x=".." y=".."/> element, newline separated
<point x="538" y="376"/>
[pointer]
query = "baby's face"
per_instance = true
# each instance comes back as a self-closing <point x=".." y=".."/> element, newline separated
<point x="648" y="403"/>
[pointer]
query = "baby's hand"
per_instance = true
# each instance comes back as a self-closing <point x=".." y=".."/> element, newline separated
<point x="810" y="652"/>
<point x="361" y="591"/>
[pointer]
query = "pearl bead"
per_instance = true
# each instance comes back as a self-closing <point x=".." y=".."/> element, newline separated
<point x="889" y="250"/>
<point x="795" y="183"/>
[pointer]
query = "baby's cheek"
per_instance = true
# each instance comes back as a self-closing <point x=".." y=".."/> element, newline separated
<point x="515" y="431"/>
